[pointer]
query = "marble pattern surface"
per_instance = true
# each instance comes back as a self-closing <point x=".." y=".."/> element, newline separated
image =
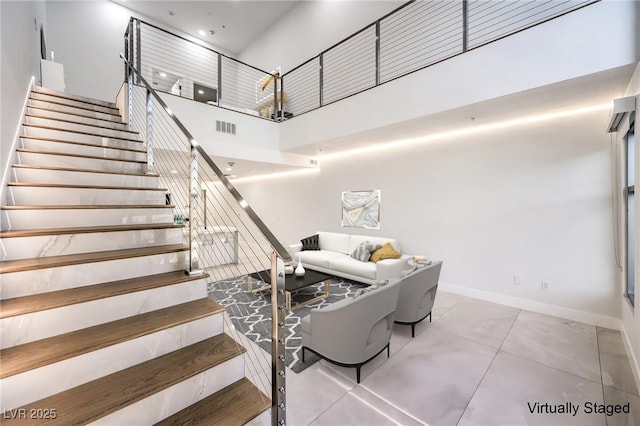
<point x="479" y="321"/>
<point x="70" y="178"/>
<point x="38" y="383"/>
<point x="17" y="284"/>
<point x="95" y="151"/>
<point x="34" y="196"/>
<point x="26" y="328"/>
<point x="37" y="219"/>
<point x="555" y="342"/>
<point x="37" y="159"/>
<point x="615" y="396"/>
<point x="616" y="371"/>
<point x="62" y="244"/>
<point x="513" y="386"/>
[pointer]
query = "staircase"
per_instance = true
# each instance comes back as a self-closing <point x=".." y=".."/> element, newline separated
<point x="99" y="322"/>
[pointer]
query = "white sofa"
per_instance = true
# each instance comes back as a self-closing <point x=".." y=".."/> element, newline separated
<point x="334" y="257"/>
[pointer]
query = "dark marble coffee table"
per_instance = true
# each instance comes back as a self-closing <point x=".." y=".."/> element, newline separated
<point x="293" y="283"/>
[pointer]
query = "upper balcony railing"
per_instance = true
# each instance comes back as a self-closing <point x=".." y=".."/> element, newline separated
<point x="416" y="35"/>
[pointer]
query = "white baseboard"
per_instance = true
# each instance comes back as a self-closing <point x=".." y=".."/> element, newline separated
<point x="530" y="305"/>
<point x="633" y="359"/>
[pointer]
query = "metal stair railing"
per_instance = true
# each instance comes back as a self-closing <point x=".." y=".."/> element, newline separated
<point x="226" y="238"/>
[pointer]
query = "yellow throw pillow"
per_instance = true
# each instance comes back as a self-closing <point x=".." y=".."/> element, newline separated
<point x="385" y="252"/>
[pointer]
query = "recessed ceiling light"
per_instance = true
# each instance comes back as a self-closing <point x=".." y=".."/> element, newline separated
<point x="163" y="74"/>
<point x="202" y="33"/>
<point x="200" y="91"/>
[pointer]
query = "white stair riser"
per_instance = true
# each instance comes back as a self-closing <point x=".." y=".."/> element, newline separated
<point x="64" y="177"/>
<point x="178" y="397"/>
<point x="70" y="102"/>
<point x="75" y="117"/>
<point x="130" y="143"/>
<point x="66" y="218"/>
<point x="80" y="127"/>
<point x="64" y="95"/>
<point x="58" y="245"/>
<point x="27" y="328"/>
<point x="37" y="196"/>
<point x="53" y="160"/>
<point x="18" y="284"/>
<point x="73" y="110"/>
<point x="71" y="148"/>
<point x="41" y="382"/>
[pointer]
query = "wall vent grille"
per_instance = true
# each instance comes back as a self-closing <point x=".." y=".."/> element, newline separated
<point x="224" y="127"/>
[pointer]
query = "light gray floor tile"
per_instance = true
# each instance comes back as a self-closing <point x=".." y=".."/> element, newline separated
<point x="555" y="342"/>
<point x="616" y="370"/>
<point x="443" y="303"/>
<point x="614" y="396"/>
<point x="433" y="377"/>
<point x="351" y="410"/>
<point x="479" y="321"/>
<point x="312" y="392"/>
<point x="512" y="384"/>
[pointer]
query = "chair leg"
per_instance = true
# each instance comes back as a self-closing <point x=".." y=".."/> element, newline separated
<point x="388" y="353"/>
<point x="429" y="316"/>
<point x="358" y="373"/>
<point x="413" y="331"/>
<point x="303" y="354"/>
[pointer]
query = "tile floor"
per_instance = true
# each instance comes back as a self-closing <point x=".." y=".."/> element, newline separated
<point x="479" y="364"/>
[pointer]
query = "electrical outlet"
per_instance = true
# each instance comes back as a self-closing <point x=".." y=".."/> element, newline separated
<point x="516" y="280"/>
<point x="544" y="285"/>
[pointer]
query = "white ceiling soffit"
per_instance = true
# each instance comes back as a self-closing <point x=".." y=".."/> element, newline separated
<point x="236" y="23"/>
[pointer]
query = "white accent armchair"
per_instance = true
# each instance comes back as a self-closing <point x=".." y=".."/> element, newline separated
<point x="417" y="294"/>
<point x="352" y="332"/>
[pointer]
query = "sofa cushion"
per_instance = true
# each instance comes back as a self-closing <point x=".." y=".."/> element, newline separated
<point x="363" y="251"/>
<point x="355" y="240"/>
<point x="310" y="243"/>
<point x="352" y="266"/>
<point x="334" y="241"/>
<point x="317" y="257"/>
<point x="385" y="252"/>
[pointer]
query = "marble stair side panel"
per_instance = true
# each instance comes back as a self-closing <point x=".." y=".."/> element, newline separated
<point x="64" y="244"/>
<point x="24" y="283"/>
<point x="68" y="177"/>
<point x="76" y="162"/>
<point x="177" y="397"/>
<point x="66" y="218"/>
<point x="26" y="328"/>
<point x="41" y="382"/>
<point x="62" y="195"/>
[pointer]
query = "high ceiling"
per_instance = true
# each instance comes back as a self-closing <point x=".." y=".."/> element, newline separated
<point x="236" y="23"/>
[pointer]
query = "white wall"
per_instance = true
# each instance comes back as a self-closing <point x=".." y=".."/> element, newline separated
<point x="20" y="50"/>
<point x="533" y="201"/>
<point x="310" y="28"/>
<point x="87" y="37"/>
<point x="574" y="45"/>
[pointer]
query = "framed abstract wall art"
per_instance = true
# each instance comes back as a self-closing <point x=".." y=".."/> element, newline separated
<point x="361" y="209"/>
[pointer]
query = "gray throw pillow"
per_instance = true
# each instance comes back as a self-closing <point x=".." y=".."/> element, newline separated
<point x="311" y="243"/>
<point x="364" y="250"/>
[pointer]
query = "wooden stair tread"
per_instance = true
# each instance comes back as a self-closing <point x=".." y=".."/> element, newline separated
<point x="20" y="265"/>
<point x="91" y="401"/>
<point x="41" y="138"/>
<point x="98" y="102"/>
<point x="236" y="404"/>
<point x="74" y="113"/>
<point x="66" y="154"/>
<point x="56" y="299"/>
<point x="49" y="101"/>
<point x="60" y="185"/>
<point x="62" y="120"/>
<point x="60" y="129"/>
<point x="90" y="206"/>
<point x="71" y="169"/>
<point x="25" y="357"/>
<point x="87" y="229"/>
